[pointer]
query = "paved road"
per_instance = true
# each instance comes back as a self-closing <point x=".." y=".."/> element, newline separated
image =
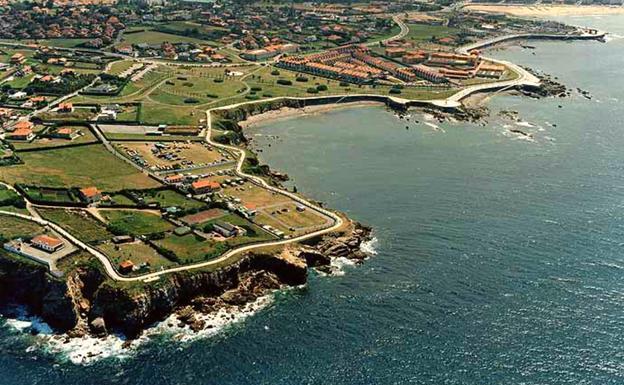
<point x="500" y="39"/>
<point x="453" y="101"/>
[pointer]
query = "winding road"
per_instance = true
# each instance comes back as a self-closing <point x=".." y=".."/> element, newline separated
<point x="524" y="79"/>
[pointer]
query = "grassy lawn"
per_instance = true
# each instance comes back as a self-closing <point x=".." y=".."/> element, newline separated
<point x="136" y="222"/>
<point x="191" y="248"/>
<point x="6" y="194"/>
<point x="254" y="233"/>
<point x="137" y="252"/>
<point x="269" y="87"/>
<point x="90" y="165"/>
<point x="51" y="195"/>
<point x="112" y="136"/>
<point x="14" y="209"/>
<point x="155" y="113"/>
<point x="168" y="198"/>
<point x="20" y="82"/>
<point x="203" y="89"/>
<point x="78" y="115"/>
<point x="60" y="42"/>
<point x="86" y="137"/>
<point x="120" y="66"/>
<point x="78" y="222"/>
<point x="120" y="199"/>
<point x="11" y="227"/>
<point x="425" y="32"/>
<point x="155" y="37"/>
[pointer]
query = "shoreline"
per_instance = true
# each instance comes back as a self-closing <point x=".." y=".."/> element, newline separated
<point x="245" y="281"/>
<point x="550" y="10"/>
<point x="284" y="113"/>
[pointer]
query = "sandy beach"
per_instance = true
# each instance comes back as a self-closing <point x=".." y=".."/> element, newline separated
<point x="548" y="10"/>
<point x="288" y="112"/>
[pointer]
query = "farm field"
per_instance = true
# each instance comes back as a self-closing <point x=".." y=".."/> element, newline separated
<point x="82" y="166"/>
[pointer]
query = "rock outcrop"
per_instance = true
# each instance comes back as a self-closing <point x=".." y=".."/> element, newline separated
<point x="86" y="301"/>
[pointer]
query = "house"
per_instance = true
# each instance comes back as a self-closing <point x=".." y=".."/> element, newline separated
<point x="204" y="186"/>
<point x="224" y="228"/>
<point x="126" y="266"/>
<point x="19" y="95"/>
<point x="66" y="107"/>
<point x="125" y="49"/>
<point x="21" y="134"/>
<point x="90" y="194"/>
<point x="66" y="133"/>
<point x="174" y="179"/>
<point x="18" y="58"/>
<point x="107" y="115"/>
<point x="119" y="239"/>
<point x="47" y="243"/>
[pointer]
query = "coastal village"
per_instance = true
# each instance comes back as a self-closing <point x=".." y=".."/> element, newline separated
<point x="120" y="142"/>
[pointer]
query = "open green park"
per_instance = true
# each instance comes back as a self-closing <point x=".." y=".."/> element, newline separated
<point x="82" y="166"/>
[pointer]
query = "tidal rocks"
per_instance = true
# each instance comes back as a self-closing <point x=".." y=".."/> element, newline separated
<point x="549" y="86"/>
<point x="313" y="257"/>
<point x="98" y="327"/>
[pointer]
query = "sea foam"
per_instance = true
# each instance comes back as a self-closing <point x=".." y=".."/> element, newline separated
<point x="88" y="350"/>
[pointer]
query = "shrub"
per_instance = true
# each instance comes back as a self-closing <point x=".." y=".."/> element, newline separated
<point x="395" y="91"/>
<point x="344" y="84"/>
<point x="302" y="79"/>
<point x="284" y="82"/>
<point x="256" y="89"/>
<point x="191" y="101"/>
<point x="321" y="87"/>
<point x="312" y="90"/>
<point x="217" y="80"/>
<point x="275" y="72"/>
<point x="212" y="96"/>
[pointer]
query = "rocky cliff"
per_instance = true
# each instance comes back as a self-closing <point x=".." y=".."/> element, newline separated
<point x="86" y="301"/>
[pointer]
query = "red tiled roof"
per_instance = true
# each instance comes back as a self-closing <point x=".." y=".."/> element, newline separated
<point x="47" y="240"/>
<point x="205" y="183"/>
<point x="89" y="192"/>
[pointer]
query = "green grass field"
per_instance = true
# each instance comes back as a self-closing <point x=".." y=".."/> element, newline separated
<point x="11" y="227"/>
<point x="86" y="137"/>
<point x="136" y="222"/>
<point x="120" y="66"/>
<point x="191" y="248"/>
<point x="83" y="166"/>
<point x="78" y="222"/>
<point x="425" y="32"/>
<point x="137" y="252"/>
<point x="168" y="198"/>
<point x="155" y="37"/>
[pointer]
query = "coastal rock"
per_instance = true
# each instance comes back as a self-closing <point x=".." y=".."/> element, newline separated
<point x="313" y="257"/>
<point x="98" y="327"/>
